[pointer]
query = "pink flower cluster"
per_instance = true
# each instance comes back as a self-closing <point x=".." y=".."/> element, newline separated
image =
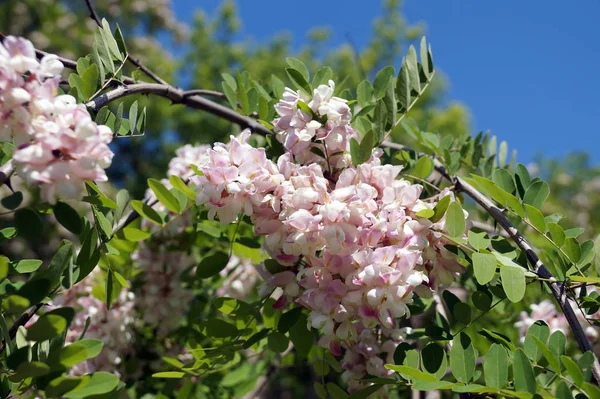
<point x="368" y="354"/>
<point x="112" y="326"/>
<point x="556" y="320"/>
<point x="354" y="247"/>
<point x="59" y="146"/>
<point x="186" y="156"/>
<point x="241" y="277"/>
<point x="326" y="126"/>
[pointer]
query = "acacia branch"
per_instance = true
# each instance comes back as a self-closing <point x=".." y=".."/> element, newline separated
<point x="179" y="96"/>
<point x="558" y="289"/>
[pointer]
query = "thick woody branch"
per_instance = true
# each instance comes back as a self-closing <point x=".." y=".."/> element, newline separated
<point x="178" y="96"/>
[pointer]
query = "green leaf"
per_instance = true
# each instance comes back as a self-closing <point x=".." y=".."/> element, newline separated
<point x="298" y="80"/>
<point x="28" y="223"/>
<point x="536" y="218"/>
<point x="335" y="391"/>
<point x="301" y="337"/>
<point x="586" y="363"/>
<point x="523" y="373"/>
<point x="320" y="390"/>
<point x="478" y="240"/>
<point x="434" y="360"/>
<point x="94" y="346"/>
<point x="563" y="391"/>
<point x="89" y="82"/>
<point x="536" y="194"/>
<point x="120" y="41"/>
<point x="365" y="392"/>
<point x="495" y="367"/>
<point x="504" y="180"/>
<point x="212" y="265"/>
<point x="299" y="66"/>
<point x="462" y="358"/>
<point x="498" y="194"/>
<point x="382" y="81"/>
<point x="100" y="200"/>
<point x="557" y="342"/>
<point x="67" y="217"/>
<point x="100" y="383"/>
<point x="455" y="220"/>
<point x="573" y="370"/>
<point x="12" y="201"/>
<point x="556" y="233"/>
<point x="403" y="87"/>
<point x="379" y="124"/>
<point x="422" y="168"/>
<point x="322" y="76"/>
<point x="481" y="300"/>
<point x="118" y="118"/>
<point x="32" y="369"/>
<point x="548" y="354"/>
<point x="411" y="372"/>
<point x="440" y="209"/>
<point x="288" y="319"/>
<point x="179" y="184"/>
<point x="538" y="330"/>
<point x="169" y="374"/>
<point x="134" y="235"/>
<point x="413" y="69"/>
<point x="427" y="67"/>
<point x="164" y="195"/>
<point x="4" y="267"/>
<point x="48" y="325"/>
<point x="61" y="385"/>
<point x="110" y="41"/>
<point x="133" y="114"/>
<point x="146" y="211"/>
<point x="27" y="265"/>
<point x="277" y="342"/>
<point x="364" y="93"/>
<point x="513" y="282"/>
<point x="462" y="313"/>
<point x="572" y="249"/>
<point x="73" y="354"/>
<point x="220" y="329"/>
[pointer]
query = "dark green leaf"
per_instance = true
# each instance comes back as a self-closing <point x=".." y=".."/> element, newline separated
<point x="61" y="385"/>
<point x="212" y="265"/>
<point x="12" y="201"/>
<point x="100" y="382"/>
<point x="28" y="223"/>
<point x="572" y="369"/>
<point x="504" y="180"/>
<point x="403" y="88"/>
<point x="277" y="342"/>
<point x="67" y="217"/>
<point x="382" y="81"/>
<point x="434" y="360"/>
<point x="440" y="209"/>
<point x="298" y="80"/>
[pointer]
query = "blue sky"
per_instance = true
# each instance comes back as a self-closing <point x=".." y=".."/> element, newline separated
<point x="527" y="70"/>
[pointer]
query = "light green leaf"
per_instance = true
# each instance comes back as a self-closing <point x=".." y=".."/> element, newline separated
<point x="364" y="93"/>
<point x="495" y="367"/>
<point x="536" y="218"/>
<point x="455" y="220"/>
<point x="462" y="358"/>
<point x="548" y="354"/>
<point x="411" y="372"/>
<point x="478" y="240"/>
<point x="513" y="282"/>
<point x="538" y="330"/>
<point x="164" y="195"/>
<point x="212" y="265"/>
<point x="146" y="211"/>
<point x="299" y="66"/>
<point x="536" y="194"/>
<point x="422" y="168"/>
<point x="573" y="370"/>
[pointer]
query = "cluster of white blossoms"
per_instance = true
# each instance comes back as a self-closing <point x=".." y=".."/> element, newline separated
<point x="112" y="326"/>
<point x="58" y="145"/>
<point x="350" y="238"/>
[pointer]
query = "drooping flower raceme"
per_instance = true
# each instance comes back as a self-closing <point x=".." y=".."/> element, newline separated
<point x="350" y="238"/>
<point x="59" y="146"/>
<point x="321" y="121"/>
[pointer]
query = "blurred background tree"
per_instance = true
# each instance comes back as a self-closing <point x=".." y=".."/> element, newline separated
<point x="195" y="57"/>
